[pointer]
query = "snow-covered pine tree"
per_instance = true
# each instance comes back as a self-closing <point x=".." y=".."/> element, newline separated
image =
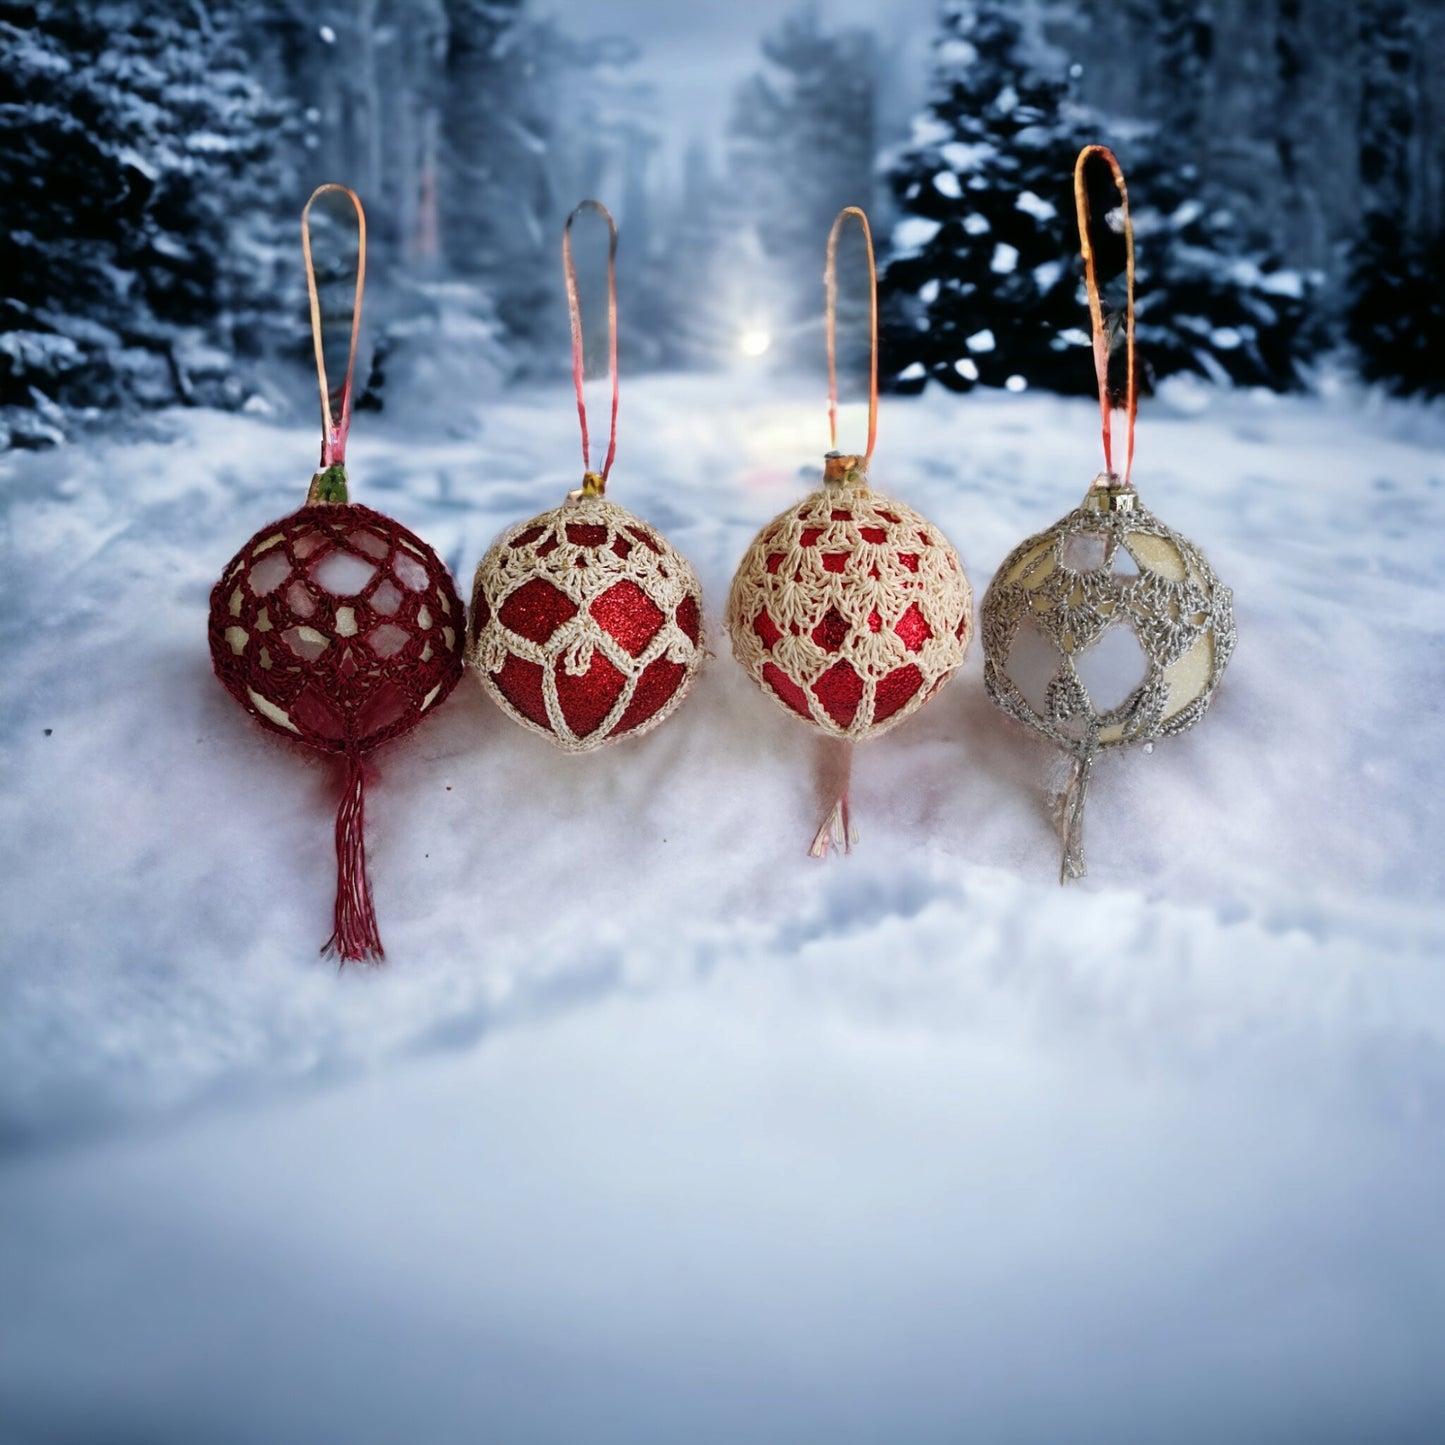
<point x="139" y="161"/>
<point x="800" y="147"/>
<point x="981" y="284"/>
<point x="1396" y="319"/>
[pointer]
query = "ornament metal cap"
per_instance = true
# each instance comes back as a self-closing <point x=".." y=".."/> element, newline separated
<point x="1108" y="494"/>
<point x="844" y="469"/>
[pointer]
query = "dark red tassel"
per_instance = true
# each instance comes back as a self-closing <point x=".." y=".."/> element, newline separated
<point x="356" y="938"/>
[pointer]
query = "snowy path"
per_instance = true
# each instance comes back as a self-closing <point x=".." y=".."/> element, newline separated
<point x="655" y="1129"/>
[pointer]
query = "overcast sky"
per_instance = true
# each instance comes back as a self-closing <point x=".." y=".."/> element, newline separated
<point x="694" y="52"/>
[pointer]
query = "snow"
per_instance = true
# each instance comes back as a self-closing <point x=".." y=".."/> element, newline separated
<point x="964" y="156"/>
<point x="652" y="1128"/>
<point x="914" y="232"/>
<point x="946" y="184"/>
<point x="1035" y="206"/>
<point x="981" y="341"/>
<point x="1005" y="259"/>
<point x="976" y="224"/>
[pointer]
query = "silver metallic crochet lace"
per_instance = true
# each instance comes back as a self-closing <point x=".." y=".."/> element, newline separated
<point x="1109" y="564"/>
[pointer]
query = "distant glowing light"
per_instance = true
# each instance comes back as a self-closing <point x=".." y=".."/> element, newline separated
<point x="754" y="342"/>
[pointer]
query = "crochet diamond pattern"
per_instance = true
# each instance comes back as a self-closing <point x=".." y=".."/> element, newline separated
<point x="338" y="627"/>
<point x="850" y="610"/>
<point x="1057" y="597"/>
<point x="586" y="624"/>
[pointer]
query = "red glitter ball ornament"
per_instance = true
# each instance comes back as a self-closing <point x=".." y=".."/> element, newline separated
<point x="586" y="623"/>
<point x="849" y="609"/>
<point x="338" y="628"/>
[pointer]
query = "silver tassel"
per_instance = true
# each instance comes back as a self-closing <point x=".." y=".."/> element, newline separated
<point x="1071" y="820"/>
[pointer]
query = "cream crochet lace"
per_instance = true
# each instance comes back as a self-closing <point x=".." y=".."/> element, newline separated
<point x="584" y="581"/>
<point x="850" y="609"/>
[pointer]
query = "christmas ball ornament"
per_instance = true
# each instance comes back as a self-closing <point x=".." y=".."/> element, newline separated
<point x="338" y="628"/>
<point x="586" y="624"/>
<point x="1109" y="628"/>
<point x="849" y="609"/>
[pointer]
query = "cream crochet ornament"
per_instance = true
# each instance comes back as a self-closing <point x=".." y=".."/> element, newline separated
<point x="1109" y="628"/>
<point x="586" y="624"/>
<point x="849" y="609"/>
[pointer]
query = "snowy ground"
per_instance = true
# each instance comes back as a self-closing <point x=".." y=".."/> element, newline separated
<point x="653" y="1129"/>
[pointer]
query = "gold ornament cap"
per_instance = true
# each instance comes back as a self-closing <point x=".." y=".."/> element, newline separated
<point x="1107" y="493"/>
<point x="845" y="469"/>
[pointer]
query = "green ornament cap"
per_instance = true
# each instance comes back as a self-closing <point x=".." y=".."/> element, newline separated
<point x="329" y="486"/>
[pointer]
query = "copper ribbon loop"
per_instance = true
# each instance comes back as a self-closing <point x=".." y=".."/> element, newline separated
<point x="830" y="283"/>
<point x="1096" y="309"/>
<point x="334" y="429"/>
<point x="594" y="481"/>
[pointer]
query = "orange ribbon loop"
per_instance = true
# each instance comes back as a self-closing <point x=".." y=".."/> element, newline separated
<point x="1096" y="309"/>
<point x="830" y="282"/>
<point x="334" y="425"/>
<point x="574" y="311"/>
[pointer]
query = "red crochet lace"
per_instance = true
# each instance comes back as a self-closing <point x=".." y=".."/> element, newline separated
<point x="340" y="629"/>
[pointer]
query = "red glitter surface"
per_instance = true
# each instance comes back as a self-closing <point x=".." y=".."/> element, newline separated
<point x="840" y="690"/>
<point x="913" y="628"/>
<point x="629" y="615"/>
<point x="689" y="620"/>
<point x="786" y="689"/>
<point x="520" y="682"/>
<point x="536" y="610"/>
<point x="659" y="680"/>
<point x="831" y="632"/>
<point x="317" y="656"/>
<point x="586" y="700"/>
<point x="766" y="629"/>
<point x="895" y="691"/>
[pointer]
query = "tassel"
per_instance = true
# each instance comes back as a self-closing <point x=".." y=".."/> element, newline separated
<point x="835" y="769"/>
<point x="356" y="938"/>
<point x="1071" y="821"/>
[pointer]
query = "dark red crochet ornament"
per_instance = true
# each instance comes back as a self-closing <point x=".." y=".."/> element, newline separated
<point x="340" y="629"/>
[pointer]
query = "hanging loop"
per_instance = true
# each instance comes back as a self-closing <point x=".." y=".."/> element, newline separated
<point x="1096" y="308"/>
<point x="334" y="426"/>
<point x="830" y="283"/>
<point x="594" y="482"/>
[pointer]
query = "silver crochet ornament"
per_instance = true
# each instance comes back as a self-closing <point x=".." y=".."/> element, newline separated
<point x="1107" y="629"/>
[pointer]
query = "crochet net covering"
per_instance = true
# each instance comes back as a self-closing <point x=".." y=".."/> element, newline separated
<point x="1107" y="629"/>
<point x="850" y="610"/>
<point x="586" y="624"/>
<point x="337" y="627"/>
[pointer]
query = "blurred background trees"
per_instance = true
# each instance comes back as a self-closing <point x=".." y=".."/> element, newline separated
<point x="1286" y="162"/>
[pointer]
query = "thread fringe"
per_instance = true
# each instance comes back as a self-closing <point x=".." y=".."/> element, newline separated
<point x="355" y="939"/>
<point x="1071" y="821"/>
